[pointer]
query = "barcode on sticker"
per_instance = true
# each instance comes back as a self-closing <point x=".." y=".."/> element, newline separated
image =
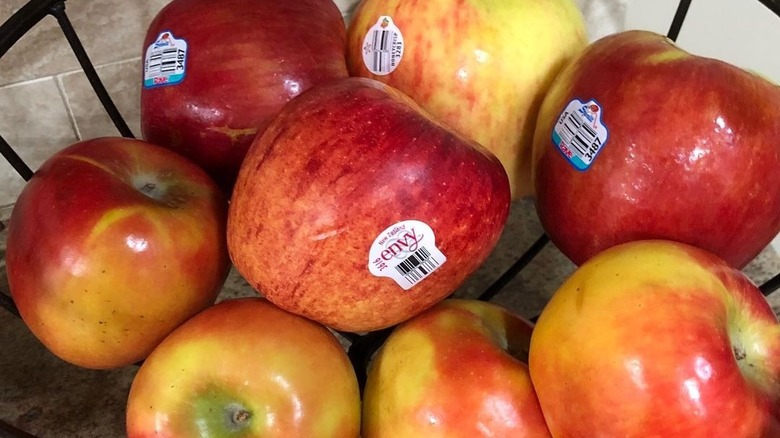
<point x="417" y="266"/>
<point x="165" y="61"/>
<point x="383" y="47"/>
<point x="580" y="133"/>
<point x="379" y="42"/>
<point x="406" y="252"/>
<point x="581" y="136"/>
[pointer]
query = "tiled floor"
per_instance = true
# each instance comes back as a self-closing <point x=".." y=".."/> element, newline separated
<point x="46" y="104"/>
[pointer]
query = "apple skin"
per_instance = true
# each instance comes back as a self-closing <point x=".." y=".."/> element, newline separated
<point x="112" y="244"/>
<point x="340" y="163"/>
<point x="642" y="341"/>
<point x="286" y="376"/>
<point x="458" y="369"/>
<point x="481" y="66"/>
<point x="245" y="60"/>
<point x="691" y="155"/>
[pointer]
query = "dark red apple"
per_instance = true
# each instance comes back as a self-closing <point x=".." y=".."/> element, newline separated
<point x="638" y="139"/>
<point x="356" y="209"/>
<point x="215" y="72"/>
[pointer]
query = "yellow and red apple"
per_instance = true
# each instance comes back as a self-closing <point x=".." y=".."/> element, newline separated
<point x="480" y="66"/>
<point x="244" y="367"/>
<point x="638" y="139"/>
<point x="112" y="244"/>
<point x="357" y="209"/>
<point x="657" y="339"/>
<point x="458" y="369"/>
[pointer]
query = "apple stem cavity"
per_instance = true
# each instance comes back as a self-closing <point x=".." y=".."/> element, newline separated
<point x="238" y="417"/>
<point x="739" y="353"/>
<point x="754" y="349"/>
<point x="150" y="187"/>
<point x="157" y="190"/>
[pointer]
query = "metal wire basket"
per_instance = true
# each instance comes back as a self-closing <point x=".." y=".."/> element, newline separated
<point x="361" y="346"/>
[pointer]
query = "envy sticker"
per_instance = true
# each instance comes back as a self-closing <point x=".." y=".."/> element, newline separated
<point x="383" y="47"/>
<point x="580" y="132"/>
<point x="405" y="252"/>
<point x="165" y="61"/>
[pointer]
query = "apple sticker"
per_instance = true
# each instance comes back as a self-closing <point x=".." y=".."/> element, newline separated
<point x="405" y="252"/>
<point x="580" y="132"/>
<point x="383" y="47"/>
<point x="165" y="61"/>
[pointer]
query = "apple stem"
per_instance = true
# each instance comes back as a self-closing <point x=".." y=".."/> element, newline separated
<point x="739" y="353"/>
<point x="240" y="417"/>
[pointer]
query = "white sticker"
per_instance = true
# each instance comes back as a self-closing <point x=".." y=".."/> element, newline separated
<point x="165" y="61"/>
<point x="383" y="47"/>
<point x="580" y="133"/>
<point x="405" y="252"/>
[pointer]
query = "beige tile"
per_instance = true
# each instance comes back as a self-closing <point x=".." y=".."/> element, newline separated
<point x="111" y="30"/>
<point x="123" y="83"/>
<point x="35" y="123"/>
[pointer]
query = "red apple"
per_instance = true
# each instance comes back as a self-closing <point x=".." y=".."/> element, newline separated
<point x="112" y="244"/>
<point x="457" y="370"/>
<point x="245" y="368"/>
<point x="638" y="139"/>
<point x="216" y="72"/>
<point x="481" y="66"/>
<point x="358" y="210"/>
<point x="658" y="339"/>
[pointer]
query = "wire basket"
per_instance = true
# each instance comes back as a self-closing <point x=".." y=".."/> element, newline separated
<point x="359" y="347"/>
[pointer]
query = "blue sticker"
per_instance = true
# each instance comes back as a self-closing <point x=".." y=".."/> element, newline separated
<point x="580" y="133"/>
<point x="166" y="61"/>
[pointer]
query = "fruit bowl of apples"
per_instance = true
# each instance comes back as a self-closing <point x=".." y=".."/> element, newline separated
<point x="303" y="240"/>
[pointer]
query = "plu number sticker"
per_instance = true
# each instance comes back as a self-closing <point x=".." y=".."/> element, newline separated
<point x="383" y="47"/>
<point x="405" y="252"/>
<point x="165" y="61"/>
<point x="580" y="133"/>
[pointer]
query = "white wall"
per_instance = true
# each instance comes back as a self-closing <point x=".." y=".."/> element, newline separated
<point x="742" y="32"/>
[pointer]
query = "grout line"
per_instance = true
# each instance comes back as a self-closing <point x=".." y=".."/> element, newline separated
<point x="66" y="72"/>
<point x="68" y="107"/>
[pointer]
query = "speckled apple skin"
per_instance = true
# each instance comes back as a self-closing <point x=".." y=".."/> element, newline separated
<point x="339" y="165"/>
<point x="100" y="271"/>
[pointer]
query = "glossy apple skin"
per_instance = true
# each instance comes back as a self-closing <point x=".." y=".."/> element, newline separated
<point x="692" y="154"/>
<point x="458" y="369"/>
<point x="481" y="66"/>
<point x="101" y="267"/>
<point x="642" y="340"/>
<point x="288" y="375"/>
<point x="340" y="164"/>
<point x="245" y="60"/>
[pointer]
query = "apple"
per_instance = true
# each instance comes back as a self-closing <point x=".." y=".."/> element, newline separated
<point x="244" y="367"/>
<point x="358" y="210"/>
<point x="112" y="244"/>
<point x="638" y="139"/>
<point x="216" y="72"/>
<point x="481" y="66"/>
<point x="458" y="369"/>
<point x="656" y="338"/>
